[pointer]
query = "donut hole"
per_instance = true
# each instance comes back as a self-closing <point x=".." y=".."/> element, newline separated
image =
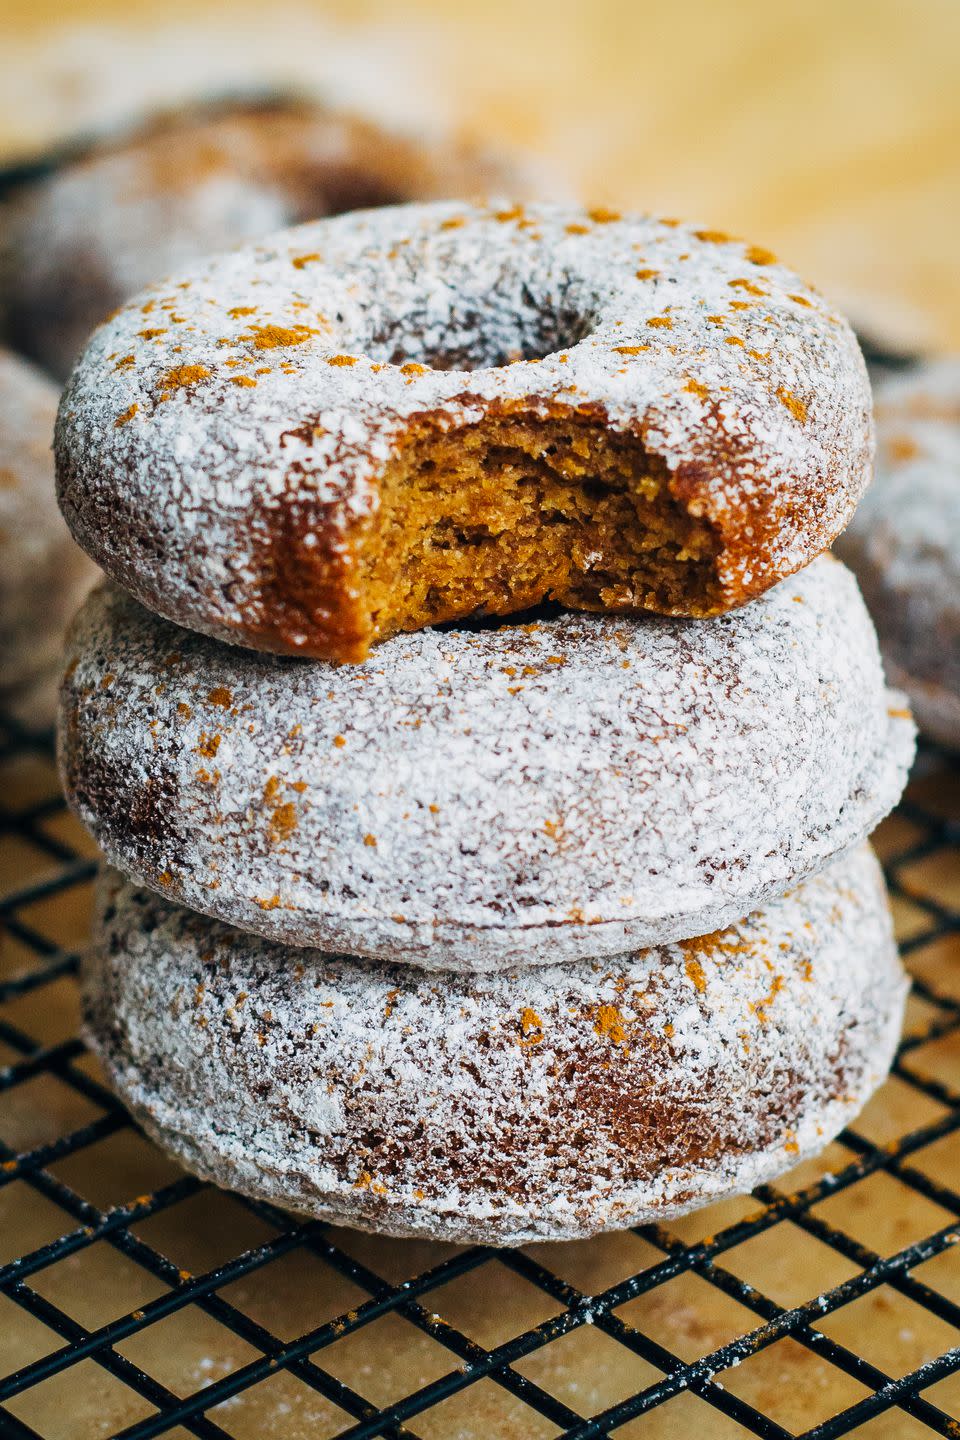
<point x="485" y="333"/>
<point x="512" y="511"/>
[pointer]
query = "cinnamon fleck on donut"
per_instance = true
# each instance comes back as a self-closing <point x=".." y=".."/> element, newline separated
<point x="409" y="415"/>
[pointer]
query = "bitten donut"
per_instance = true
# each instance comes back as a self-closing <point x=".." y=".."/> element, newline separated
<point x="481" y="799"/>
<point x="905" y="542"/>
<point x="43" y="575"/>
<point x="405" y="416"/>
<point x="534" y="1105"/>
<point x="77" y="243"/>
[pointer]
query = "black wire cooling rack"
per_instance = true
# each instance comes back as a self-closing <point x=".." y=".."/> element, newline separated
<point x="795" y="1342"/>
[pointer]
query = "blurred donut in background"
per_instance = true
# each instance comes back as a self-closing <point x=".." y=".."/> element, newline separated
<point x="43" y="575"/>
<point x="904" y="541"/>
<point x="76" y="242"/>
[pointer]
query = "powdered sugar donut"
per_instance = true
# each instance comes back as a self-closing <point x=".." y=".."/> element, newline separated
<point x="75" y="244"/>
<point x="494" y="798"/>
<point x="905" y="541"/>
<point x="409" y="415"/>
<point x="583" y="1097"/>
<point x="42" y="573"/>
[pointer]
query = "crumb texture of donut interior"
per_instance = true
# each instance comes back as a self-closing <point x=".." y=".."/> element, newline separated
<point x="506" y="513"/>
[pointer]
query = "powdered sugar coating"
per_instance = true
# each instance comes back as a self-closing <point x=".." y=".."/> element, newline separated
<point x="483" y="799"/>
<point x="278" y="380"/>
<point x="77" y="243"/>
<point x="905" y="541"/>
<point x="43" y="575"/>
<point x="533" y="1105"/>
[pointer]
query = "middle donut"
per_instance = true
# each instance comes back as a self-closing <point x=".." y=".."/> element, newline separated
<point x="479" y="798"/>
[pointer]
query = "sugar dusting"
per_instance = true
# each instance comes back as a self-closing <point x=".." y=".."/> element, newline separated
<point x="76" y="243"/>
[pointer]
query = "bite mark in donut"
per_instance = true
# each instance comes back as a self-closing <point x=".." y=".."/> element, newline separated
<point x="499" y="516"/>
<point x="496" y="517"/>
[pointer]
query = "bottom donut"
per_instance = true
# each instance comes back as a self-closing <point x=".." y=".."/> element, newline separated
<point x="538" y="1104"/>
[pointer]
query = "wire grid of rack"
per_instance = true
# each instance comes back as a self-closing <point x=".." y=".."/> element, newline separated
<point x="821" y="1306"/>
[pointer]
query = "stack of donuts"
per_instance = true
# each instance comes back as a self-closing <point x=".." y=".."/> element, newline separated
<point x="483" y="741"/>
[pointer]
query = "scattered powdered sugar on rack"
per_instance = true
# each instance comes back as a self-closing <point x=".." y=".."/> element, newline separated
<point x="583" y="1097"/>
<point x="488" y="798"/>
<point x="904" y="542"/>
<point x="278" y="380"/>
